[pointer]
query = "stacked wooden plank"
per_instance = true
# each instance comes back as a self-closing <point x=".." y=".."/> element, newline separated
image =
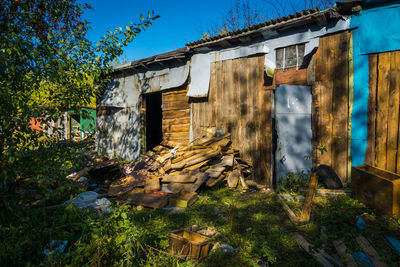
<point x="176" y="115"/>
<point x="177" y="172"/>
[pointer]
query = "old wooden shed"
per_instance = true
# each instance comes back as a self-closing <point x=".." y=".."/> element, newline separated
<point x="286" y="90"/>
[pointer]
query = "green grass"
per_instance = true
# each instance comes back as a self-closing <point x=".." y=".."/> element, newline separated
<point x="254" y="223"/>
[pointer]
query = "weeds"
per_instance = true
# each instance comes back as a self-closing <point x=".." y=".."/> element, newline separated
<point x="252" y="223"/>
<point x="293" y="182"/>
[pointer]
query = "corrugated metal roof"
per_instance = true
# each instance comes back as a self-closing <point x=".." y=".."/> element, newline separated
<point x="181" y="53"/>
<point x="310" y="15"/>
<point x="305" y="17"/>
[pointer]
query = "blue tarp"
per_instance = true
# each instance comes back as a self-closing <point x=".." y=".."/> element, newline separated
<point x="376" y="30"/>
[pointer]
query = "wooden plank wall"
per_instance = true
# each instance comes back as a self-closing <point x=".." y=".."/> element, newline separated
<point x="176" y="115"/>
<point x="238" y="104"/>
<point x="331" y="103"/>
<point x="383" y="111"/>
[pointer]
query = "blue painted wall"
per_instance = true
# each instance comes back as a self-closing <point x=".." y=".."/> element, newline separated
<point x="376" y="29"/>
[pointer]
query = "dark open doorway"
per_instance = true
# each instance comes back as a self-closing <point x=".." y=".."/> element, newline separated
<point x="154" y="134"/>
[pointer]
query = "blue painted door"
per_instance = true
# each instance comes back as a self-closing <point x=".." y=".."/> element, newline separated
<point x="293" y="128"/>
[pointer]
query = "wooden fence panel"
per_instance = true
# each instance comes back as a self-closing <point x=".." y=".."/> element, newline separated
<point x="384" y="111"/>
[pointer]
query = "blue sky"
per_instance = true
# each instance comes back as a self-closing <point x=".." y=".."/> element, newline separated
<point x="181" y="21"/>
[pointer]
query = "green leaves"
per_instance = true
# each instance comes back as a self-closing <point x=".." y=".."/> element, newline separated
<point x="47" y="65"/>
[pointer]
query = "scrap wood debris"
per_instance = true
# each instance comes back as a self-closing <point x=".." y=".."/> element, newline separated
<point x="169" y="174"/>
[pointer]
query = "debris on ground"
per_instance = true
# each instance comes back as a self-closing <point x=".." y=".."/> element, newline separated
<point x="83" y="200"/>
<point x="362" y="259"/>
<point x="225" y="248"/>
<point x="393" y="243"/>
<point x="209" y="231"/>
<point x="91" y="200"/>
<point x="168" y="175"/>
<point x="328" y="177"/>
<point x="360" y="223"/>
<point x="188" y="244"/>
<point x="54" y="248"/>
<point x="307" y="203"/>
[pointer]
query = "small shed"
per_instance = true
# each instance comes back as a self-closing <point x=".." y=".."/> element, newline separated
<point x="81" y="122"/>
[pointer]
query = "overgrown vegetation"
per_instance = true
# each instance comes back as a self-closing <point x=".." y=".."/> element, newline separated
<point x="48" y="66"/>
<point x="252" y="223"/>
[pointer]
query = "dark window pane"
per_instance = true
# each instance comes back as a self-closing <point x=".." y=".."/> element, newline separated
<point x="279" y="58"/>
<point x="300" y="49"/>
<point x="291" y="58"/>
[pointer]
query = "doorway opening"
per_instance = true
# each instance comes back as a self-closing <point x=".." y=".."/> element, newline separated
<point x="154" y="134"/>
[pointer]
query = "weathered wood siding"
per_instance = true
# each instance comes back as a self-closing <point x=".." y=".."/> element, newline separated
<point x="238" y="104"/>
<point x="383" y="111"/>
<point x="176" y="115"/>
<point x="331" y="103"/>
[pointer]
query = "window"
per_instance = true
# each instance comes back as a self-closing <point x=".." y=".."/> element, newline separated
<point x="290" y="56"/>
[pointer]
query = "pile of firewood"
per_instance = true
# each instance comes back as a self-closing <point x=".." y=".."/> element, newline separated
<point x="172" y="174"/>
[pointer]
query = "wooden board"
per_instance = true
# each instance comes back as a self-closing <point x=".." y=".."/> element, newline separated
<point x="148" y="200"/>
<point x="340" y="105"/>
<point x="393" y="114"/>
<point x="176" y="121"/>
<point x="370" y="152"/>
<point x="215" y="172"/>
<point x="179" y="187"/>
<point x="179" y="178"/>
<point x="370" y="251"/>
<point x="306" y="210"/>
<point x="342" y="251"/>
<point x="395" y="81"/>
<point x="183" y="199"/>
<point x="382" y="110"/>
<point x="176" y="105"/>
<point x="176" y="114"/>
<point x="307" y="247"/>
<point x="195" y="160"/>
<point x="291" y="76"/>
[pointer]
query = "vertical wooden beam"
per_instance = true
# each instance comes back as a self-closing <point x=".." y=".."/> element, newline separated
<point x="396" y="76"/>
<point x="382" y="110"/>
<point x="266" y="126"/>
<point x="339" y="63"/>
<point x="218" y="94"/>
<point x="351" y="101"/>
<point x="393" y="114"/>
<point x="251" y="104"/>
<point x="315" y="107"/>
<point x="236" y="102"/>
<point x="212" y="94"/>
<point x="228" y="96"/>
<point x="243" y="106"/>
<point x="263" y="131"/>
<point x="372" y="84"/>
<point x="325" y="87"/>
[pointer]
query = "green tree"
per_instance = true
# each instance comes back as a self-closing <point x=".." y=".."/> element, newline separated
<point x="47" y="65"/>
